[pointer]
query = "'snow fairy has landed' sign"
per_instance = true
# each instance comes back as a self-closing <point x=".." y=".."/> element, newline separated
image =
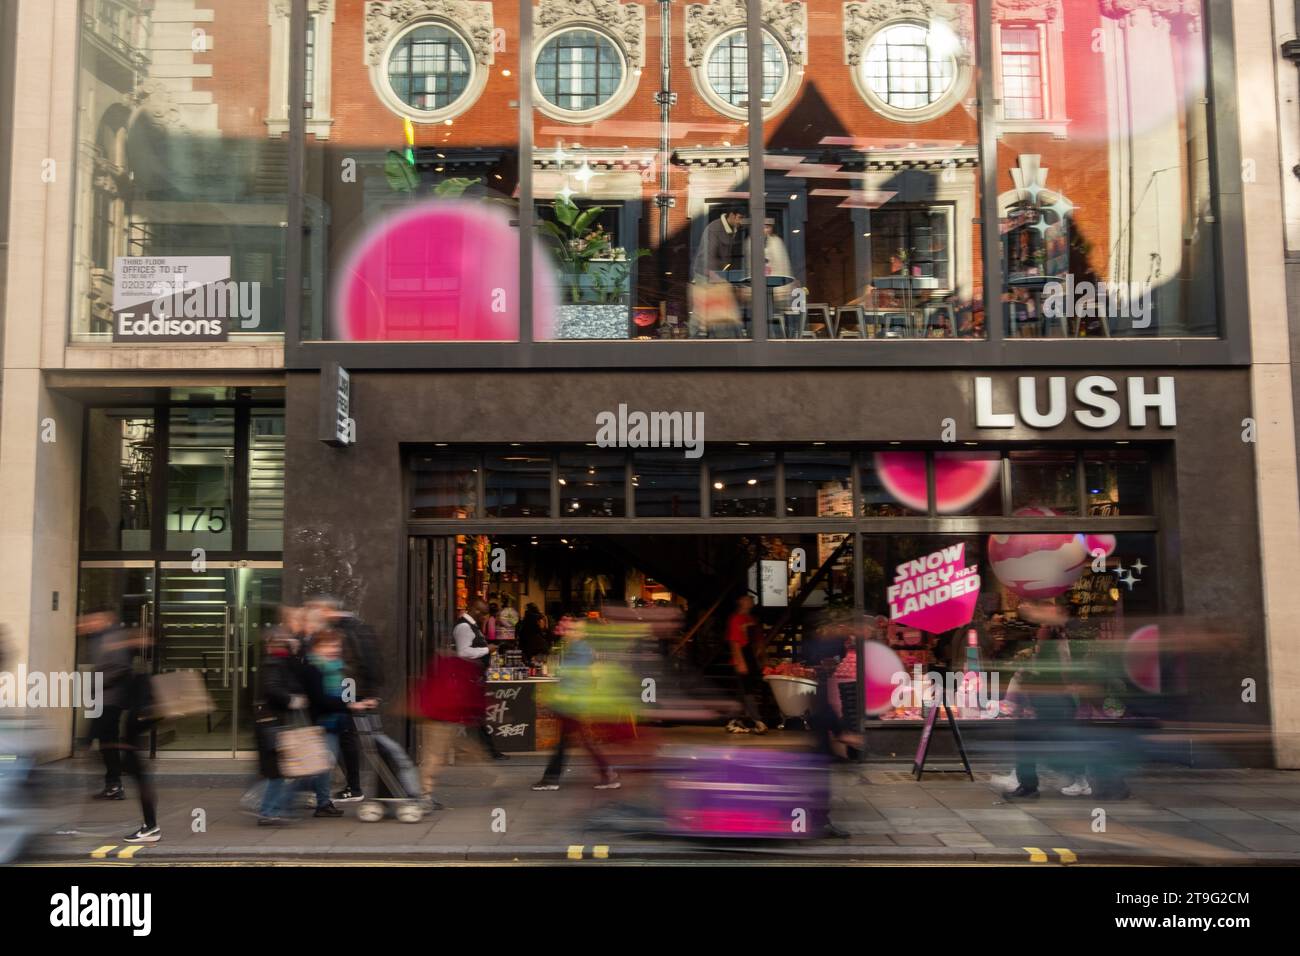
<point x="937" y="592"/>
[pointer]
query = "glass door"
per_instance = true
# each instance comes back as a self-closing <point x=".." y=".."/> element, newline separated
<point x="125" y="588"/>
<point x="212" y="621"/>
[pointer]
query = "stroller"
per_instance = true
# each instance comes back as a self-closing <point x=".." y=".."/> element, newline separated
<point x="388" y="765"/>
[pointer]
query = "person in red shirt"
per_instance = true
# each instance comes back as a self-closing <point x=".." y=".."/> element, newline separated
<point x="741" y="639"/>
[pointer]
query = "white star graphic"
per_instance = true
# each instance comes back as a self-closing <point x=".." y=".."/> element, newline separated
<point x="1129" y="580"/>
<point x="1138" y="566"/>
<point x="584" y="174"/>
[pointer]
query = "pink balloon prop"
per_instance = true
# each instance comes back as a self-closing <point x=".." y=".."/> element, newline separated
<point x="1142" y="658"/>
<point x="881" y="665"/>
<point x="1038" y="565"/>
<point x="439" y="271"/>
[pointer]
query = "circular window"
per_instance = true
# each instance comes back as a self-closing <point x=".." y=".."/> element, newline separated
<point x="579" y="70"/>
<point x="429" y="73"/>
<point x="911" y="69"/>
<point x="727" y="71"/>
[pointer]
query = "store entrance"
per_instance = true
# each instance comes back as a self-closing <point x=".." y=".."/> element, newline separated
<point x="210" y="620"/>
<point x="685" y="585"/>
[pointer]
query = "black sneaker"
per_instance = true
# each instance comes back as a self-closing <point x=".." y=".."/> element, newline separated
<point x="111" y="793"/>
<point x="144" y="835"/>
<point x="831" y="830"/>
<point x="498" y="755"/>
<point x="273" y="821"/>
<point x="329" y="810"/>
<point x="1021" y="793"/>
<point x="545" y="785"/>
<point x="348" y="795"/>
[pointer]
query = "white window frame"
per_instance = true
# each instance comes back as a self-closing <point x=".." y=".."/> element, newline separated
<point x="626" y="87"/>
<point x="1049" y="18"/>
<point x="961" y="78"/>
<point x="478" y="75"/>
<point x="780" y="99"/>
<point x="277" y="114"/>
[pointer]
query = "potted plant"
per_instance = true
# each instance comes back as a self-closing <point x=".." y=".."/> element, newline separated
<point x="593" y="271"/>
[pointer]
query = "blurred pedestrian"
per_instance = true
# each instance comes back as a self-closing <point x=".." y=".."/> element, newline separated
<point x="531" y="635"/>
<point x="574" y="691"/>
<point x="123" y="727"/>
<point x="450" y="699"/>
<point x="363" y="667"/>
<point x="742" y="641"/>
<point x="1047" y="688"/>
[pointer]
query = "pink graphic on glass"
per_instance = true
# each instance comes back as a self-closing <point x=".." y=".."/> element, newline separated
<point x="439" y="271"/>
<point x="936" y="592"/>
<point x="1044" y="565"/>
<point x="882" y="663"/>
<point x="1142" y="658"/>
<point x="960" y="479"/>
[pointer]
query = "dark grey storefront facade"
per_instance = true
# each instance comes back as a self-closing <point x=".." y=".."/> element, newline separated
<point x="350" y="523"/>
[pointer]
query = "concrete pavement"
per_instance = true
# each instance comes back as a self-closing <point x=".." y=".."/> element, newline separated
<point x="1175" y="816"/>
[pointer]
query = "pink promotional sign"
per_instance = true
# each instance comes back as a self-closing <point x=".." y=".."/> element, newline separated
<point x="937" y="592"/>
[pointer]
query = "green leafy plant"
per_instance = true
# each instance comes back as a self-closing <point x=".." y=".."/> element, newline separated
<point x="403" y="178"/>
<point x="587" y="253"/>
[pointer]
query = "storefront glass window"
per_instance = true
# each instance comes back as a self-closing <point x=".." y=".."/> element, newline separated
<point x="1107" y="227"/>
<point x="518" y="485"/>
<point x="592" y="484"/>
<point x="874" y="189"/>
<point x="201" y="479"/>
<point x="118" y="510"/>
<point x="666" y="485"/>
<point x="181" y="196"/>
<point x="1031" y="588"/>
<point x="412" y="205"/>
<point x="894" y="484"/>
<point x="1044" y="483"/>
<point x="743" y="485"/>
<point x="444" y="486"/>
<point x="1118" y="482"/>
<point x="817" y="484"/>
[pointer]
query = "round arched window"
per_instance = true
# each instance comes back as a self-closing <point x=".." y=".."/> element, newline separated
<point x="579" y="70"/>
<point x="911" y="66"/>
<point x="727" y="68"/>
<point x="430" y="68"/>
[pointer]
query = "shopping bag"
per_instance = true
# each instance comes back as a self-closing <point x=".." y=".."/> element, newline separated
<point x="178" y="694"/>
<point x="714" y="304"/>
<point x="303" y="752"/>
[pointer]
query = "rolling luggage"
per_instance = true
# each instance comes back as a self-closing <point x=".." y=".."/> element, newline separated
<point x="747" y="792"/>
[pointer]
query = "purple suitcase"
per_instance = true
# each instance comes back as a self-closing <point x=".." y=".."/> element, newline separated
<point x="747" y="792"/>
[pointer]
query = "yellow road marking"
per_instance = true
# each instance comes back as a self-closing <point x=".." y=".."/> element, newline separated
<point x="1067" y="856"/>
<point x="129" y="852"/>
<point x="575" y="852"/>
<point x="1035" y="855"/>
<point x="600" y="852"/>
<point x="102" y="852"/>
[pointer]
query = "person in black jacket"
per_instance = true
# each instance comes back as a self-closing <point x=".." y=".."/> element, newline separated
<point x="123" y="726"/>
<point x="361" y="663"/>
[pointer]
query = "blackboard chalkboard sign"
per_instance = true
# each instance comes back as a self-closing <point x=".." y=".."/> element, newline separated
<point x="512" y="715"/>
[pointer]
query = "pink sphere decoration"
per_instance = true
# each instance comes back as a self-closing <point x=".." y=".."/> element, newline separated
<point x="959" y="480"/>
<point x="882" y="663"/>
<point x="1142" y="658"/>
<point x="438" y="271"/>
<point x="1038" y="565"/>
